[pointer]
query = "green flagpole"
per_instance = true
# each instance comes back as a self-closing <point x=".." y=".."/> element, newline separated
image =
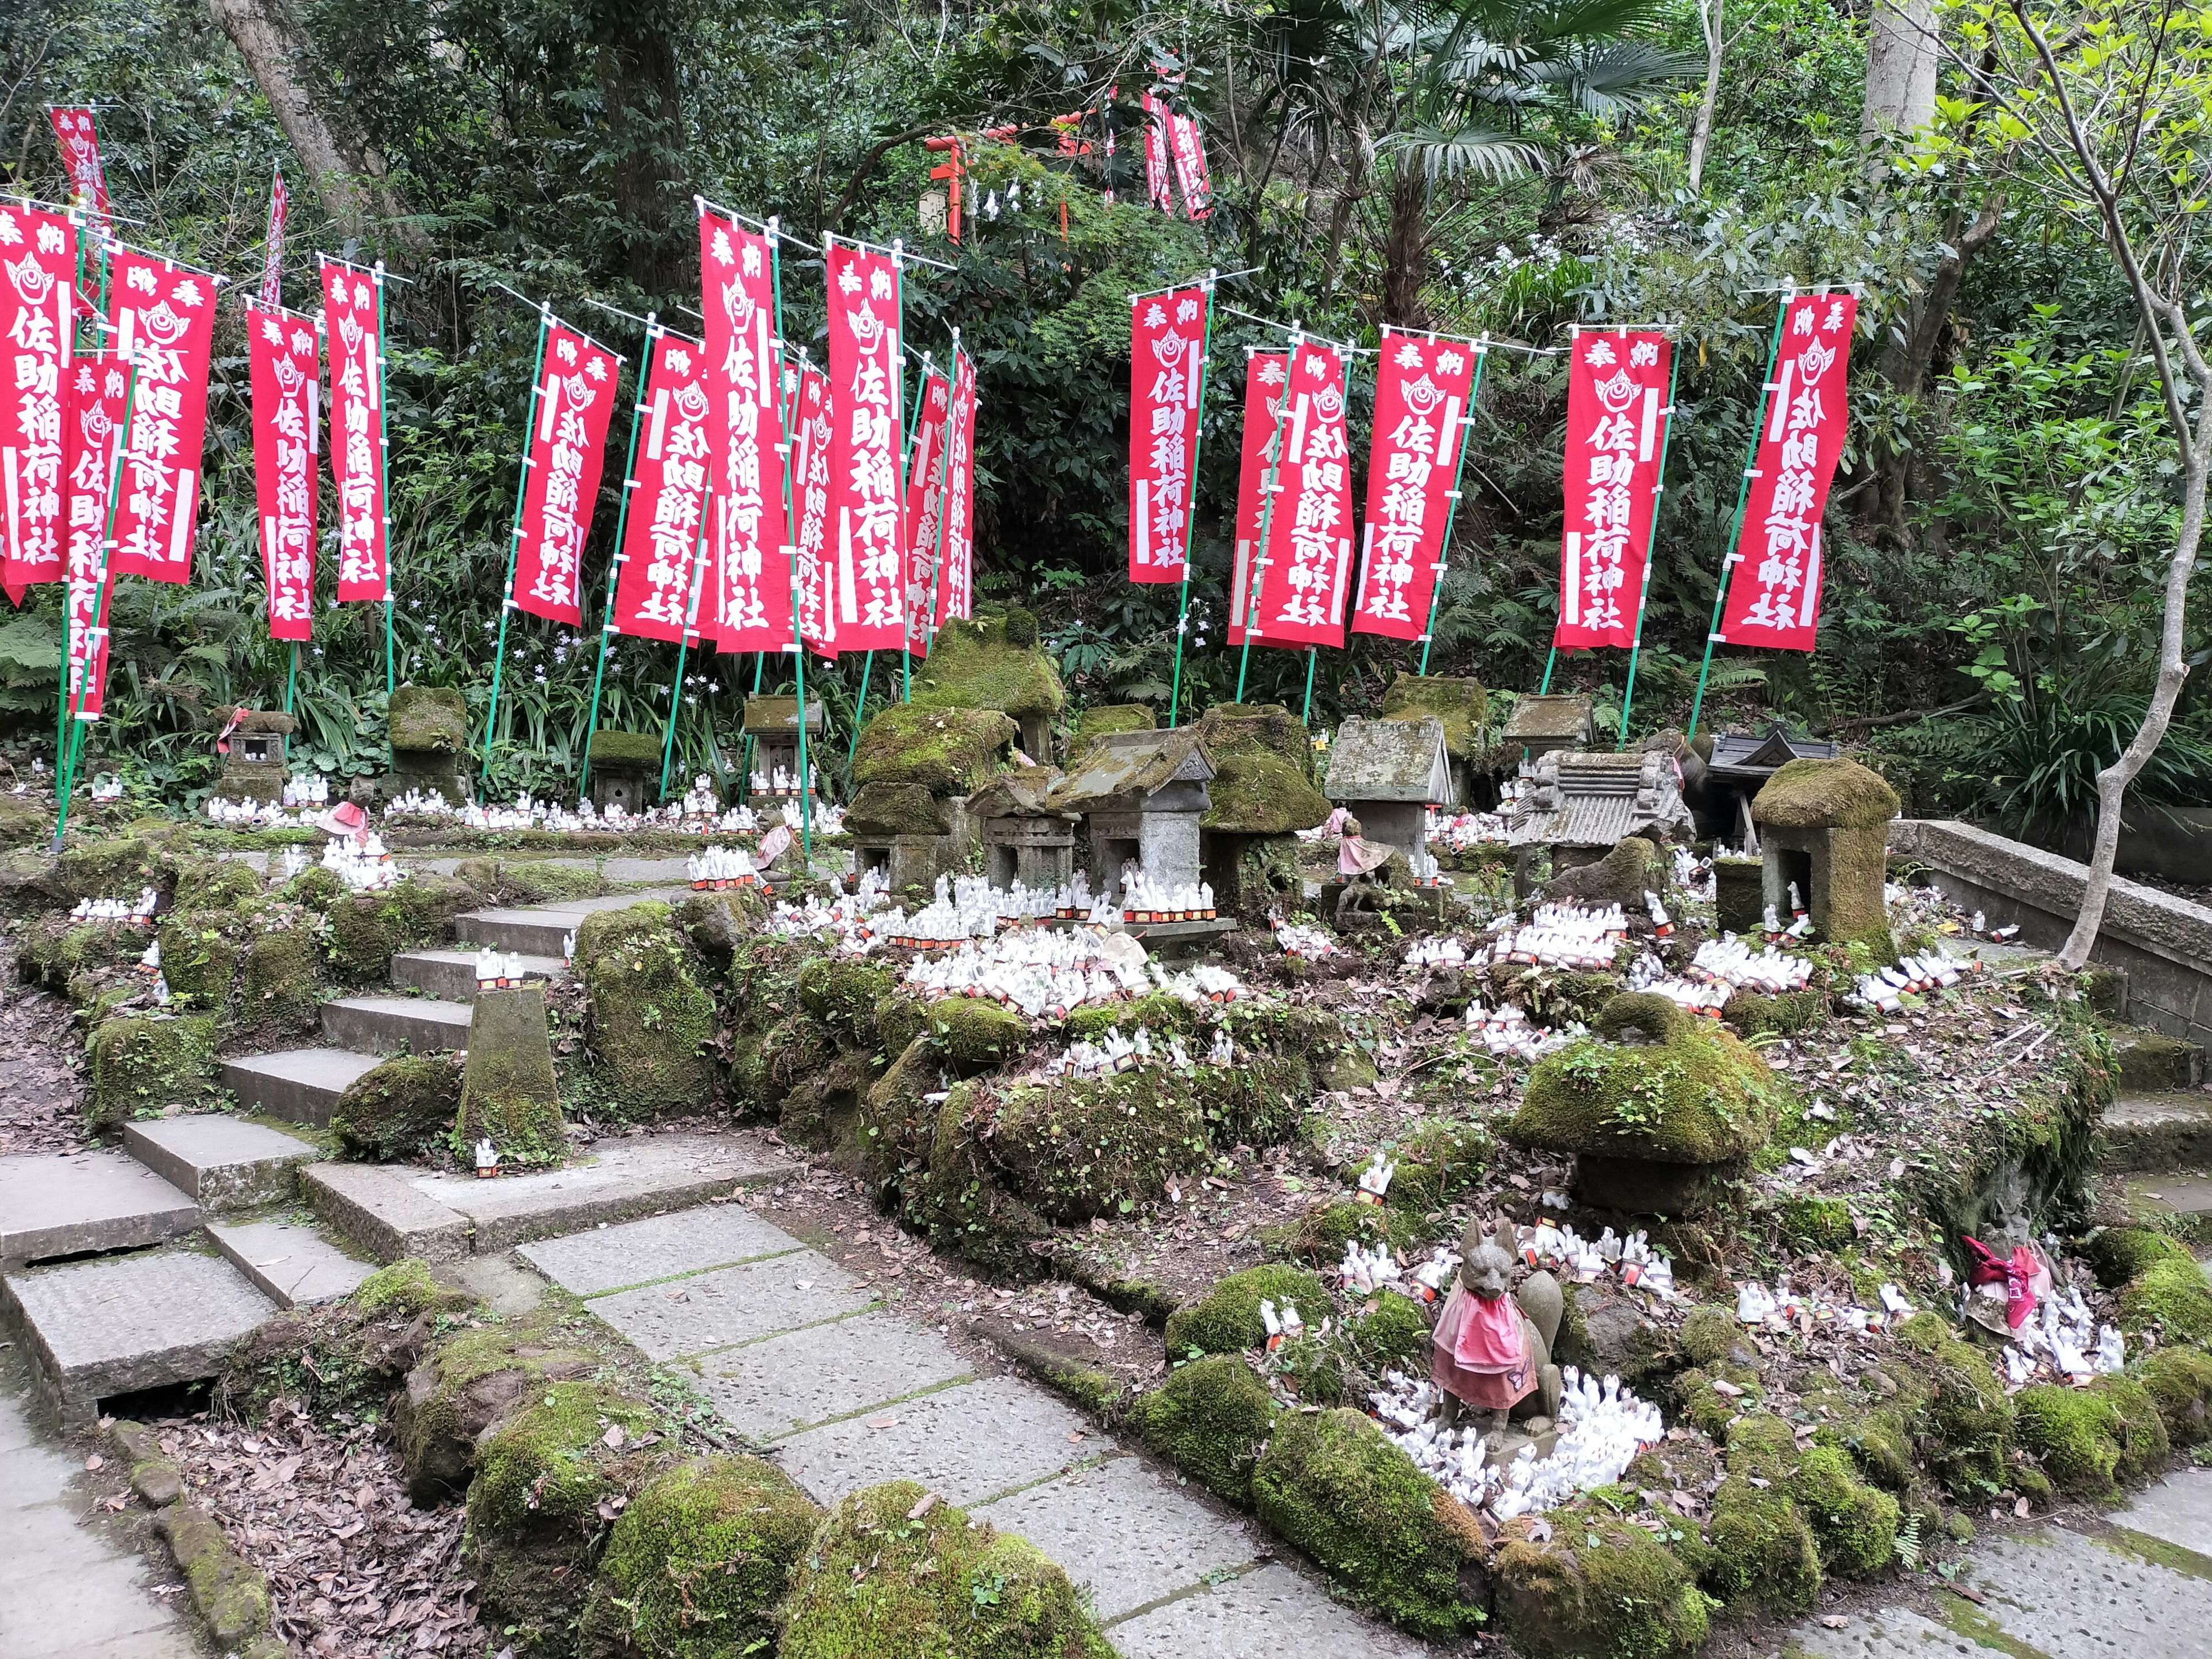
<point x="1733" y="558"/>
<point x="384" y="457"/>
<point x="1313" y="654"/>
<point x="1190" y="510"/>
<point x="75" y="734"/>
<point x="607" y="629"/>
<point x="861" y="708"/>
<point x="514" y="540"/>
<point x="1259" y="566"/>
<point x="291" y="680"/>
<point x="790" y="407"/>
<point x="61" y="699"/>
<point x="684" y="643"/>
<point x="1651" y="551"/>
<point x="1459" y="471"/>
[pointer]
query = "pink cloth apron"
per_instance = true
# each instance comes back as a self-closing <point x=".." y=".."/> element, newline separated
<point x="1478" y="1353"/>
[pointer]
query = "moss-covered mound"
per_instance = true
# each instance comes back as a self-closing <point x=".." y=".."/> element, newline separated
<point x="1263" y="774"/>
<point x="650" y="1019"/>
<point x="2171" y="1296"/>
<point x="477" y="1375"/>
<point x="948" y="752"/>
<point x="1764" y="1553"/>
<point x="1694" y="1094"/>
<point x="1210" y="1419"/>
<point x="1853" y="1524"/>
<point x="973" y="1033"/>
<point x="1227" y="1320"/>
<point x="979" y="664"/>
<point x="199" y="956"/>
<point x="1824" y="794"/>
<point x="1462" y="704"/>
<point x="280" y="978"/>
<point x="1105" y="721"/>
<point x="1630" y="1597"/>
<point x="2179" y="1382"/>
<point x="883" y="810"/>
<point x="1333" y="1483"/>
<point x="398" y="1108"/>
<point x="531" y="881"/>
<point x="429" y="718"/>
<point x="144" y="1062"/>
<point x="369" y="929"/>
<point x="2075" y="1437"/>
<point x="1963" y="1420"/>
<point x="626" y="751"/>
<point x="699" y="1561"/>
<point x="1075" y="1148"/>
<point x="843" y="994"/>
<point x="117" y="868"/>
<point x="1636" y="866"/>
<point x="1396" y="1336"/>
<point x="509" y="1096"/>
<point x="892" y="1571"/>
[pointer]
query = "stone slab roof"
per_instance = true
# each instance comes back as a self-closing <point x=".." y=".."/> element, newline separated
<point x="769" y="717"/>
<point x="1397" y="760"/>
<point x="1123" y="770"/>
<point x="1552" y="719"/>
<point x="1586" y="799"/>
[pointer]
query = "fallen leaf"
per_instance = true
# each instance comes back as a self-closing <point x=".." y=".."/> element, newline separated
<point x="922" y="1506"/>
<point x="1074" y="1436"/>
<point x="1721" y="1385"/>
<point x="2020" y="1508"/>
<point x="1973" y="1595"/>
<point x="613" y="1438"/>
<point x="95" y="1463"/>
<point x="1835" y="1621"/>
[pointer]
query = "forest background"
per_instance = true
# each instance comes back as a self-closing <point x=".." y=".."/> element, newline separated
<point x="1996" y="541"/>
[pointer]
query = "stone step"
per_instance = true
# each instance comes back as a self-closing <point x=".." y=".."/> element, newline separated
<point x="534" y="931"/>
<point x="452" y="974"/>
<point x="225" y="1163"/>
<point x="299" y="1085"/>
<point x="2159" y="1131"/>
<point x="96" y="1329"/>
<point x="290" y="1264"/>
<point x="376" y="1208"/>
<point x="98" y="1200"/>
<point x="372" y="1025"/>
<point x="2153" y="1063"/>
<point x="2184" y="1194"/>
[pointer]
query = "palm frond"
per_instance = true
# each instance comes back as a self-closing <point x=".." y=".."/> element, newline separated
<point x="1446" y="155"/>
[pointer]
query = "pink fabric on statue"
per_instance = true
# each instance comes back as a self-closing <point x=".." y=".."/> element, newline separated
<point x="1490" y="1335"/>
<point x="1477" y="1353"/>
<point x="1356" y="856"/>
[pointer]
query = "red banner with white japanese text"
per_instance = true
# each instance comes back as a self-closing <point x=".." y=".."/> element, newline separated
<point x="164" y="319"/>
<point x="1156" y="190"/>
<point x="37" y="278"/>
<point x="1189" y="148"/>
<point x="956" y="588"/>
<point x="353" y="315"/>
<point x="1422" y="386"/>
<point x="925" y="501"/>
<point x="749" y="570"/>
<point x="1774" y="599"/>
<point x="284" y="357"/>
<point x="866" y="388"/>
<point x="80" y="143"/>
<point x="1617" y="419"/>
<point x="1309" y="538"/>
<point x="1167" y="341"/>
<point x="100" y="393"/>
<point x="1264" y="372"/>
<point x="667" y="492"/>
<point x="567" y="444"/>
<point x="272" y="262"/>
<point x="812" y="439"/>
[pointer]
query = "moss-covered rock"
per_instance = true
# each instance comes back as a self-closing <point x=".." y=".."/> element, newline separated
<point x="975" y="1033"/>
<point x="947" y="751"/>
<point x="1462" y="704"/>
<point x="626" y="751"/>
<point x="214" y="884"/>
<point x="1712" y="1410"/>
<point x="2171" y="1296"/>
<point x="144" y="1062"/>
<point x="398" y="1108"/>
<point x="1636" y="866"/>
<point x="719" y="924"/>
<point x="2119" y="1255"/>
<point x="430" y="718"/>
<point x="1437" y="1162"/>
<point x="889" y="1573"/>
<point x="231" y="1596"/>
<point x="1710" y="1336"/>
<point x="280" y="974"/>
<point x="842" y="993"/>
<point x="1825" y="794"/>
<point x="1227" y="1320"/>
<point x="649" y="1020"/>
<point x="1853" y="1524"/>
<point x="880" y="810"/>
<point x="477" y="1375"/>
<point x="1210" y="1418"/>
<point x="1263" y="773"/>
<point x="1335" y="1485"/>
<point x="2143" y="1437"/>
<point x="2179" y="1381"/>
<point x="1630" y="1597"/>
<point x="1320" y="1235"/>
<point x="1964" y="1422"/>
<point x="366" y="930"/>
<point x="2075" y="1435"/>
<point x="199" y="956"/>
<point x="956" y="1196"/>
<point x="989" y="662"/>
<point x="509" y="1096"/>
<point x="531" y="881"/>
<point x="2153" y="1063"/>
<point x="1763" y="1550"/>
<point x="405" y="1287"/>
<point x="1394" y="1337"/>
<point x="1075" y="1148"/>
<point x="699" y="1561"/>
<point x="1754" y="1013"/>
<point x="1815" y="1224"/>
<point x="117" y="868"/>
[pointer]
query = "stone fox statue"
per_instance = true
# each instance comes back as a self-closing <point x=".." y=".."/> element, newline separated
<point x="1491" y="1351"/>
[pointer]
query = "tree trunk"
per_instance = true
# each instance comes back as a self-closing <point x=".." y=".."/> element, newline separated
<point x="1701" y="130"/>
<point x="639" y="89"/>
<point x="1900" y="81"/>
<point x="1406" y="253"/>
<point x="347" y="175"/>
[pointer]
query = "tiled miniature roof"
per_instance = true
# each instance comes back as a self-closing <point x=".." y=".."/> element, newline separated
<point x="1127" y="768"/>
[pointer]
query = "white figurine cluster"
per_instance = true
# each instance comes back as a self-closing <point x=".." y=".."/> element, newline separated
<point x="1467" y="830"/>
<point x="249" y="814"/>
<point x="1366" y="1269"/>
<point x="1632" y="1258"/>
<point x="1506" y="1030"/>
<point x="964" y="908"/>
<point x="719" y="868"/>
<point x="1602" y="1429"/>
<point x="1694" y="875"/>
<point x="115" y="909"/>
<point x="1044" y="975"/>
<point x="1117" y="1051"/>
<point x="295" y="860"/>
<point x="2066" y="1343"/>
<point x="694" y="813"/>
<point x="1781" y="1308"/>
<point x="365" y="866"/>
<point x="1734" y="963"/>
<point x="1436" y="953"/>
<point x="1308" y="944"/>
<point x="106" y="787"/>
<point x="498" y="972"/>
<point x="781" y="781"/>
<point x="1561" y="936"/>
<point x="1913" y="976"/>
<point x="851" y="918"/>
<point x="1421" y="865"/>
<point x="312" y="790"/>
<point x="1144" y="900"/>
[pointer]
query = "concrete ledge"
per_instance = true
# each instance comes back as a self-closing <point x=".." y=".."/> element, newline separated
<point x="100" y="1201"/>
<point x="380" y="1210"/>
<point x="452" y="974"/>
<point x="380" y="1024"/>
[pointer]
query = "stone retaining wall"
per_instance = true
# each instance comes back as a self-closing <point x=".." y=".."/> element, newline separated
<point x="2163" y="943"/>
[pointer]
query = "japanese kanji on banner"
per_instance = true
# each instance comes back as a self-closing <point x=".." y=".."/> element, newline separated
<point x="567" y="442"/>
<point x="285" y="359"/>
<point x="1167" y="340"/>
<point x="354" y="317"/>
<point x="1189" y="151"/>
<point x="1264" y="372"/>
<point x="1156" y="189"/>
<point x="1617" y="419"/>
<point x="38" y="275"/>
<point x="272" y="262"/>
<point x="1774" y="597"/>
<point x="1301" y="595"/>
<point x="98" y="397"/>
<point x="812" y="440"/>
<point x="749" y="571"/>
<point x="1422" y="387"/>
<point x="868" y="540"/>
<point x="956" y="586"/>
<point x="925" y="501"/>
<point x="660" y="552"/>
<point x="80" y="144"/>
<point x="164" y="319"/>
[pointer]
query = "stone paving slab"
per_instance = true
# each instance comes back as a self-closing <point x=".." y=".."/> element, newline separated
<point x="226" y="1162"/>
<point x="122" y="1323"/>
<point x="1271" y="1614"/>
<point x="535" y="932"/>
<point x="2071" y="1598"/>
<point x="969" y="1443"/>
<point x="289" y="1264"/>
<point x="380" y="1210"/>
<point x="100" y="1201"/>
<point x="614" y="1258"/>
<point x="2178" y="1511"/>
<point x="299" y="1085"/>
<point x="1890" y="1633"/>
<point x="380" y="1024"/>
<point x="731" y="1305"/>
<point x="1124" y="1531"/>
<point x="452" y="974"/>
<point x="772" y="1389"/>
<point x="2185" y="1194"/>
<point x="623" y="1177"/>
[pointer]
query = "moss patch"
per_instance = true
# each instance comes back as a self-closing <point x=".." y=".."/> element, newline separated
<point x="1394" y="1337"/>
<point x="948" y="752"/>
<point x="977" y="664"/>
<point x="1855" y="1525"/>
<point x="1820" y="794"/>
<point x="630" y="751"/>
<point x="1628" y="1598"/>
<point x="1227" y="1320"/>
<point x="508" y="1093"/>
<point x="1763" y="1552"/>
<point x="2121" y="1254"/>
<point x="144" y="1062"/>
<point x="1462" y="704"/>
<point x="2179" y="1382"/>
<point x="279" y="977"/>
<point x="975" y="1033"/>
<point x="430" y="718"/>
<point x="649" y="1018"/>
<point x="2075" y="1437"/>
<point x="231" y="1596"/>
<point x="2171" y="1297"/>
<point x="843" y="994"/>
<point x="1964" y="1423"/>
<point x="1439" y="1162"/>
<point x="1210" y="1419"/>
<point x="398" y="1108"/>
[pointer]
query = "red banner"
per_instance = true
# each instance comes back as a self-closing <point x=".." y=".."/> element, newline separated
<point x="1189" y="151"/>
<point x="568" y="442"/>
<point x="956" y="586"/>
<point x="1617" y="419"/>
<point x="925" y="500"/>
<point x="1309" y="538"/>
<point x="1264" y="372"/>
<point x="813" y="439"/>
<point x="1156" y="156"/>
<point x="1167" y="342"/>
<point x="751" y="590"/>
<point x="284" y="356"/>
<point x="164" y="319"/>
<point x="38" y="275"/>
<point x="353" y="318"/>
<point x="1774" y="600"/>
<point x="80" y="144"/>
<point x="99" y="389"/>
<point x="866" y="391"/>
<point x="272" y="262"/>
<point x="668" y="494"/>
<point x="1422" y="387"/>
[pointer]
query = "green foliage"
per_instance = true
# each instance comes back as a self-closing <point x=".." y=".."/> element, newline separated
<point x="1227" y="1320"/>
<point x="1210" y="1419"/>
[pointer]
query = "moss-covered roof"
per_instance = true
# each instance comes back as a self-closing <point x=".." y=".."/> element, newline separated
<point x="257" y="721"/>
<point x="1262" y="794"/>
<point x="1105" y="720"/>
<point x="432" y="718"/>
<point x="1022" y="792"/>
<point x="1256" y="728"/>
<point x="972" y="665"/>
<point x="1549" y="720"/>
<point x="769" y="717"/>
<point x="1462" y="704"/>
<point x="1124" y="769"/>
<point x="879" y="810"/>
<point x="1400" y="760"/>
<point x="636" y="751"/>
<point x="1824" y="794"/>
<point x="950" y="750"/>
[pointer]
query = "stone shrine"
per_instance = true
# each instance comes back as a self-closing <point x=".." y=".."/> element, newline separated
<point x="1141" y="795"/>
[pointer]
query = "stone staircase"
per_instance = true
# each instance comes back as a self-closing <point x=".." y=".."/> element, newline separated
<point x="2158" y="1135"/>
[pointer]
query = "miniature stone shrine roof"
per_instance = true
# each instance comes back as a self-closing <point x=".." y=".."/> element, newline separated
<point x="1023" y="793"/>
<point x="256" y="722"/>
<point x="1105" y="718"/>
<point x="883" y="811"/>
<point x="990" y="662"/>
<point x="1548" y="719"/>
<point x="1122" y="771"/>
<point x="1824" y="794"/>
<point x="1588" y="799"/>
<point x="1756" y="758"/>
<point x="428" y="718"/>
<point x="629" y="751"/>
<point x="1462" y="704"/>
<point x="949" y="751"/>
<point x="1402" y="760"/>
<point x="1261" y="786"/>
<point x="773" y="717"/>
